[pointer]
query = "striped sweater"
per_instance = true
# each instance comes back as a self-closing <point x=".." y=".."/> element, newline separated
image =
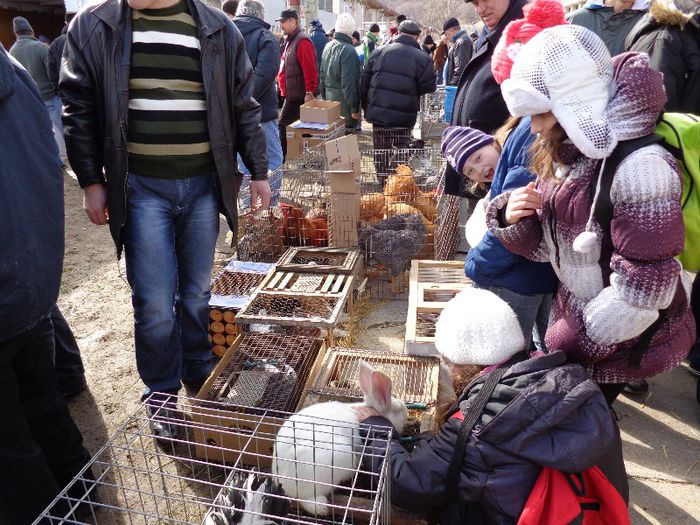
<point x="167" y="129"/>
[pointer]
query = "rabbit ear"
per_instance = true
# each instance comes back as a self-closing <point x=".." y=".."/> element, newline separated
<point x="366" y="378"/>
<point x="381" y="389"/>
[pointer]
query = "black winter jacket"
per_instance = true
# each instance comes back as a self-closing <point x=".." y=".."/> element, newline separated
<point x="55" y="54"/>
<point x="544" y="412"/>
<point x="458" y="57"/>
<point x="673" y="48"/>
<point x="31" y="200"/>
<point x="94" y="88"/>
<point x="479" y="103"/>
<point x="264" y="54"/>
<point x="393" y="81"/>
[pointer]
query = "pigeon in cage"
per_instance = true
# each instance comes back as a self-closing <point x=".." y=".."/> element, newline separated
<point x="424" y="172"/>
<point x="248" y="498"/>
<point x="394" y="242"/>
<point x="320" y="447"/>
<point x="257" y="379"/>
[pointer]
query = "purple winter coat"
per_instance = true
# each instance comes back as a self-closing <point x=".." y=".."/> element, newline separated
<point x="599" y="326"/>
<point x="544" y="412"/>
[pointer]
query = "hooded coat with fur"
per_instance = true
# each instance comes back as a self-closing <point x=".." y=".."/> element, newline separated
<point x="666" y="35"/>
<point x="597" y="325"/>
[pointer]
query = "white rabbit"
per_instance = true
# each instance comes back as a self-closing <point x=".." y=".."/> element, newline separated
<point x="318" y="447"/>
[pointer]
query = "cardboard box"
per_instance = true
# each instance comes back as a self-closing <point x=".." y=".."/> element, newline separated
<point x="301" y="139"/>
<point x="343" y="153"/>
<point x="226" y="435"/>
<point x="344" y="181"/>
<point x="320" y="111"/>
<point x="343" y="220"/>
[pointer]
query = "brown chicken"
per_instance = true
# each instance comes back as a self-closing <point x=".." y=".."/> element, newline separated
<point x="296" y="229"/>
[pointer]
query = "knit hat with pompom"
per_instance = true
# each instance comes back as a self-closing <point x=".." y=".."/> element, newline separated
<point x="539" y="15"/>
<point x="477" y="327"/>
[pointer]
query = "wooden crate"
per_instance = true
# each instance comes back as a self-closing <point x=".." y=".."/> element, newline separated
<point x="415" y="379"/>
<point x="230" y="290"/>
<point x="432" y="285"/>
<point x="232" y="433"/>
<point x="319" y="260"/>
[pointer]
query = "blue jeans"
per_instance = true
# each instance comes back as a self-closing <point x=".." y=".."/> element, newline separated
<point x="55" y="108"/>
<point x="274" y="149"/>
<point x="169" y="239"/>
<point x="532" y="312"/>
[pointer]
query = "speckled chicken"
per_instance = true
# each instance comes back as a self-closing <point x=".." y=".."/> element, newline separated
<point x="394" y="242"/>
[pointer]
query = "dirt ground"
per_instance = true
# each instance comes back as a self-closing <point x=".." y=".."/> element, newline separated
<point x="661" y="434"/>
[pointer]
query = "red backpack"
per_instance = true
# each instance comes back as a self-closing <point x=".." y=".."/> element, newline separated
<point x="587" y="498"/>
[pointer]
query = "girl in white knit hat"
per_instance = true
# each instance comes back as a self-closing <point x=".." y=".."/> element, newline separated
<point x="534" y="412"/>
<point x="611" y="235"/>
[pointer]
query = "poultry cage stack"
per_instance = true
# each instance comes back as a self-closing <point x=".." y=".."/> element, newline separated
<point x="141" y="479"/>
<point x="415" y="380"/>
<point x="230" y="290"/>
<point x="432" y="115"/>
<point x="398" y="214"/>
<point x="309" y="288"/>
<point x="297" y="214"/>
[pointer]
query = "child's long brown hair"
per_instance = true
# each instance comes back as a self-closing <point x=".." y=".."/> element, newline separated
<point x="461" y="376"/>
<point x="543" y="155"/>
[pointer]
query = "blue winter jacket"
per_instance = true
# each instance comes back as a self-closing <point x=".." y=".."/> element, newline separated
<point x="264" y="53"/>
<point x="319" y="38"/>
<point x="490" y="263"/>
<point x="544" y="412"/>
<point x="31" y="204"/>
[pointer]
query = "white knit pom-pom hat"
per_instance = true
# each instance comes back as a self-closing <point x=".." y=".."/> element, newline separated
<point x="566" y="70"/>
<point x="478" y="328"/>
<point x="345" y="24"/>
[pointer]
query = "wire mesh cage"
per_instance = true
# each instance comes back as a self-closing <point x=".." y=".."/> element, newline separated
<point x="432" y="107"/>
<point x="141" y="478"/>
<point x="230" y="290"/>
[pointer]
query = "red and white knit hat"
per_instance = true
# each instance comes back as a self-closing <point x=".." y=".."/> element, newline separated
<point x="539" y="15"/>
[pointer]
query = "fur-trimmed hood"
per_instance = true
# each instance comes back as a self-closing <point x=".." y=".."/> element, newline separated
<point x="664" y="12"/>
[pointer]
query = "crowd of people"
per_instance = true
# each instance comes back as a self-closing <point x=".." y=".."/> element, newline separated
<point x="163" y="108"/>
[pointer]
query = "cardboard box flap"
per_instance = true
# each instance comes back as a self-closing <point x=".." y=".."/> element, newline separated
<point x="343" y="153"/>
<point x="344" y="181"/>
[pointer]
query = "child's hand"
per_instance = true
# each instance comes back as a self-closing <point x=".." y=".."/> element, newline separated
<point x="523" y="202"/>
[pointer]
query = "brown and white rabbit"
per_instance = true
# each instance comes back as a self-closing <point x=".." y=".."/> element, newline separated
<point x="319" y="446"/>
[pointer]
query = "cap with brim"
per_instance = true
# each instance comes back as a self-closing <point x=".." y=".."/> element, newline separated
<point x="287" y="14"/>
<point x="452" y="22"/>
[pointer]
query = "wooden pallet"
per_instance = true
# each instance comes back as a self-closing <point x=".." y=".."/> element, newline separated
<point x="432" y="285"/>
<point x="321" y="260"/>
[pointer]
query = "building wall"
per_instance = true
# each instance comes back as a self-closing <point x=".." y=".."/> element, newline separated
<point x="44" y="24"/>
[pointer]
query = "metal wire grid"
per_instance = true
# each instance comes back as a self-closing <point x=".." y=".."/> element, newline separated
<point x="267" y="371"/>
<point x="414" y="379"/>
<point x="433" y="106"/>
<point x="425" y="324"/>
<point x="139" y="478"/>
<point x="293" y="309"/>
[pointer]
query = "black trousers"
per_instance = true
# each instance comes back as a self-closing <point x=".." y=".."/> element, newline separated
<point x="70" y="372"/>
<point x="41" y="449"/>
<point x="289" y="114"/>
<point x="386" y="142"/>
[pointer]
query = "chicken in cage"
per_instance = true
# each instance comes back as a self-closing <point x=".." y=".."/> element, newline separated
<point x="144" y="479"/>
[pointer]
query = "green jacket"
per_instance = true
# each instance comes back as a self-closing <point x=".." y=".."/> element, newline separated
<point x="340" y="76"/>
<point x="34" y="56"/>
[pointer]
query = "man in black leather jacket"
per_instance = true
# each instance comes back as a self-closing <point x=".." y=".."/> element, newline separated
<point x="158" y="101"/>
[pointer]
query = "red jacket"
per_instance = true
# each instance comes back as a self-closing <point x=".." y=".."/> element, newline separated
<point x="306" y="58"/>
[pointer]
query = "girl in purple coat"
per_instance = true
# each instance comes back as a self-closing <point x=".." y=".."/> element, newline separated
<point x="617" y="282"/>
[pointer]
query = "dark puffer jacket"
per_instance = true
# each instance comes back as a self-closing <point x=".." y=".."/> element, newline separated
<point x="393" y="81"/>
<point x="543" y="413"/>
<point x="31" y="200"/>
<point x="479" y="103"/>
<point x="669" y="39"/>
<point x="264" y="54"/>
<point x="94" y="88"/>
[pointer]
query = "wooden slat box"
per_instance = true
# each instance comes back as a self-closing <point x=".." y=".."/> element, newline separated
<point x="432" y="285"/>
